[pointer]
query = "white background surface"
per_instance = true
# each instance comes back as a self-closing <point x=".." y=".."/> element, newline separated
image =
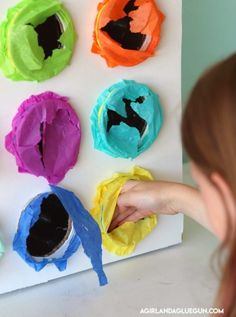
<point x="82" y="82"/>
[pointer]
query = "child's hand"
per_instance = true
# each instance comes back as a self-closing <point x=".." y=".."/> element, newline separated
<point x="138" y="200"/>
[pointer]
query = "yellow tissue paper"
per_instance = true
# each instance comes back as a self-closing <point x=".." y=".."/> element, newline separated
<point x="123" y="240"/>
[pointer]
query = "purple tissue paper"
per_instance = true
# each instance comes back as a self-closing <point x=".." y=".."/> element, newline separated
<point x="45" y="137"/>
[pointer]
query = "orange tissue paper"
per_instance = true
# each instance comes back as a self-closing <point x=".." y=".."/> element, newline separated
<point x="126" y="32"/>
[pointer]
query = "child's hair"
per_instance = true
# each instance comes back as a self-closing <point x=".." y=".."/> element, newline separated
<point x="209" y="137"/>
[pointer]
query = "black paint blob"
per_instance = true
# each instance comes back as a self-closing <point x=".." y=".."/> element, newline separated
<point x="119" y="30"/>
<point x="49" y="33"/>
<point x="133" y="119"/>
<point x="51" y="228"/>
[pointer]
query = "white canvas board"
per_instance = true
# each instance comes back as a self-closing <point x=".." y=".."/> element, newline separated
<point x="82" y="82"/>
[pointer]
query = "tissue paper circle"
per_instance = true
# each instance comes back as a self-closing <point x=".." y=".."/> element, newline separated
<point x="126" y="119"/>
<point x="45" y="137"/>
<point x="123" y="240"/>
<point x="127" y="32"/>
<point x="51" y="229"/>
<point x="36" y="40"/>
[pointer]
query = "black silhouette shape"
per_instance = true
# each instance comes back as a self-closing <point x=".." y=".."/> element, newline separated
<point x="49" y="32"/>
<point x="119" y="30"/>
<point x="130" y="6"/>
<point x="50" y="229"/>
<point x="132" y="120"/>
<point x="40" y="144"/>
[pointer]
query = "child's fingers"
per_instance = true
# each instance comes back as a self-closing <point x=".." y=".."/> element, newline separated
<point x="136" y="216"/>
<point x="120" y="217"/>
<point x="126" y="204"/>
<point x="127" y="200"/>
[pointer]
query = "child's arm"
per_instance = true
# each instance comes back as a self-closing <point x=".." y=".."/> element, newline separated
<point x="140" y="199"/>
